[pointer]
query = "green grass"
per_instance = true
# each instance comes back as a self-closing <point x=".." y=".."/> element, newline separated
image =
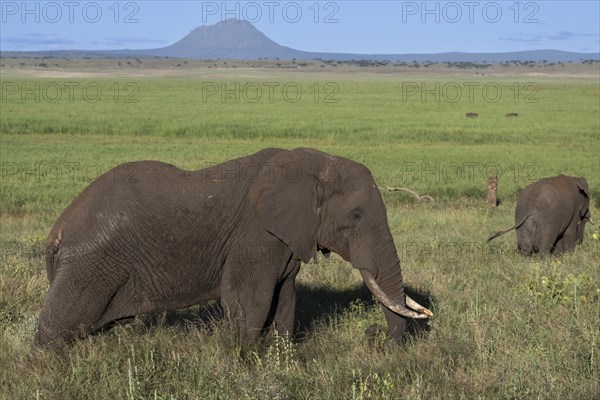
<point x="505" y="327"/>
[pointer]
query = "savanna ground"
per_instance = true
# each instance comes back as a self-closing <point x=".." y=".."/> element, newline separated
<point x="505" y="327"/>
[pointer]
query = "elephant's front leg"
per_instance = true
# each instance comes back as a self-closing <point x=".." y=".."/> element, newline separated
<point x="246" y="297"/>
<point x="285" y="312"/>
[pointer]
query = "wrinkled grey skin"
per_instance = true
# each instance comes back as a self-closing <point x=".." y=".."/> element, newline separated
<point x="147" y="236"/>
<point x="551" y="214"/>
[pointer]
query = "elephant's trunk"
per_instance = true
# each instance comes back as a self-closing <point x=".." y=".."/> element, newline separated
<point x="397" y="307"/>
<point x="380" y="270"/>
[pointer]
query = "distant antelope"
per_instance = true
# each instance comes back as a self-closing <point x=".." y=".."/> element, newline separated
<point x="471" y="115"/>
<point x="511" y="115"/>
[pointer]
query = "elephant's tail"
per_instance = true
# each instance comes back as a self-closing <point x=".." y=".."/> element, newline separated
<point x="52" y="247"/>
<point x="500" y="233"/>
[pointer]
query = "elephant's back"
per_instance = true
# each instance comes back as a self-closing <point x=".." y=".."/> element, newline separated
<point x="552" y="193"/>
<point x="112" y="192"/>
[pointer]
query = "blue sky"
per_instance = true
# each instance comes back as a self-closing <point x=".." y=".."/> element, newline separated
<point x="329" y="26"/>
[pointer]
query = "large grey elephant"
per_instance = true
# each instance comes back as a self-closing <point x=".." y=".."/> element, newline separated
<point x="551" y="214"/>
<point x="147" y="236"/>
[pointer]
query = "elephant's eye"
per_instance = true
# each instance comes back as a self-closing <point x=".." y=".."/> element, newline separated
<point x="356" y="215"/>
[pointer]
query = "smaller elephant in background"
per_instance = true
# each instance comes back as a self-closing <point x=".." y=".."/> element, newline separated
<point x="551" y="214"/>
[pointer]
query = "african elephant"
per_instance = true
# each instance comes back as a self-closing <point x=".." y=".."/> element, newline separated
<point x="147" y="236"/>
<point x="551" y="214"/>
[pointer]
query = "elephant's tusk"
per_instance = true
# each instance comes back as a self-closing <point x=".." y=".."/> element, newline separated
<point x="421" y="312"/>
<point x="416" y="306"/>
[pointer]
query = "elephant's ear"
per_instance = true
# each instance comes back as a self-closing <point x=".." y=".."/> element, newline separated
<point x="286" y="196"/>
<point x="583" y="186"/>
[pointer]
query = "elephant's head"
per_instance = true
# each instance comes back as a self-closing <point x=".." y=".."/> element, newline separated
<point x="313" y="201"/>
<point x="583" y="206"/>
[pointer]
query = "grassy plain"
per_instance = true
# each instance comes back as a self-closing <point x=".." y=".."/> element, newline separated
<point x="505" y="327"/>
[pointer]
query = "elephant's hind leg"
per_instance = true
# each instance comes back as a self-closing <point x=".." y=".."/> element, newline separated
<point x="526" y="248"/>
<point x="547" y="241"/>
<point x="524" y="243"/>
<point x="70" y="309"/>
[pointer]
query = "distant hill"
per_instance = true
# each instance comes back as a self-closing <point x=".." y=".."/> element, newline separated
<point x="240" y="40"/>
<point x="228" y="40"/>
